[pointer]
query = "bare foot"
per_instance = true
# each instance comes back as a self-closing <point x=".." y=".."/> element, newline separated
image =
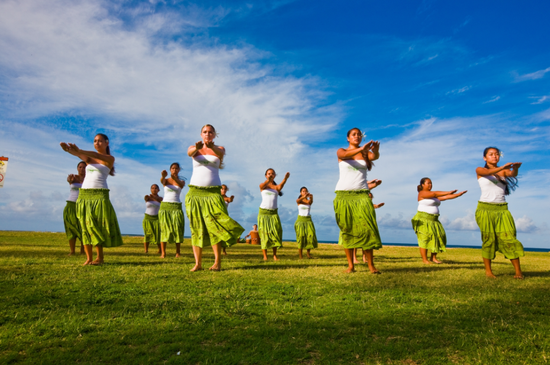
<point x="349" y="270"/>
<point x="265" y="258"/>
<point x="375" y="272"/>
<point x="309" y="256"/>
<point x="355" y="261"/>
<point x="72" y="253"/>
<point x="162" y="255"/>
<point x="215" y="268"/>
<point x="436" y="261"/>
<point x="86" y="263"/>
<point x="275" y="258"/>
<point x="224" y="253"/>
<point x="178" y="254"/>
<point x="146" y="251"/>
<point x="427" y="262"/>
<point x="519" y="277"/>
<point x="490" y="275"/>
<point x="196" y="268"/>
<point x="97" y="262"/>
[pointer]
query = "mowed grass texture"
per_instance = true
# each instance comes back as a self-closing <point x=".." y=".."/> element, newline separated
<point x="140" y="309"/>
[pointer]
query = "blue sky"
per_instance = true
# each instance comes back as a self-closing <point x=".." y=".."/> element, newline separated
<point x="282" y="81"/>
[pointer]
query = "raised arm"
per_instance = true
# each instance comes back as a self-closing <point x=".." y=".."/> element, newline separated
<point x="349" y="153"/>
<point x="513" y="172"/>
<point x="453" y="196"/>
<point x="192" y="150"/>
<point x="484" y="171"/>
<point x="266" y="183"/>
<point x="282" y="183"/>
<point x="177" y="180"/>
<point x="374" y="150"/>
<point x="373" y="183"/>
<point x="163" y="175"/>
<point x="434" y="194"/>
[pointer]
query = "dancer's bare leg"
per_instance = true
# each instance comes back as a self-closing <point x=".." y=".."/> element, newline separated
<point x="517" y="267"/>
<point x="89" y="254"/>
<point x="424" y="254"/>
<point x="225" y="253"/>
<point x="365" y="256"/>
<point x="434" y="258"/>
<point x="488" y="271"/>
<point x="82" y="248"/>
<point x="178" y="246"/>
<point x="146" y="246"/>
<point x="99" y="259"/>
<point x="162" y="250"/>
<point x="308" y="254"/>
<point x="217" y="257"/>
<point x="72" y="245"/>
<point x="300" y="253"/>
<point x="265" y="254"/>
<point x="197" y="252"/>
<point x="370" y="261"/>
<point x="350" y="254"/>
<point x="355" y="261"/>
<point x="275" y="254"/>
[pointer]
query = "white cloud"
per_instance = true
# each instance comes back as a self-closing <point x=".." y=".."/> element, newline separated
<point x="467" y="223"/>
<point x="533" y="75"/>
<point x="495" y="98"/>
<point x="540" y="99"/>
<point x="526" y="225"/>
<point x="458" y="91"/>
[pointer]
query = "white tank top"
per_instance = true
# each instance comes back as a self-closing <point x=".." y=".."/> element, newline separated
<point x="269" y="199"/>
<point x="96" y="176"/>
<point x="304" y="210"/>
<point x="172" y="194"/>
<point x="206" y="171"/>
<point x="152" y="207"/>
<point x="492" y="189"/>
<point x="226" y="204"/>
<point x="73" y="194"/>
<point x="429" y="205"/>
<point x="353" y="175"/>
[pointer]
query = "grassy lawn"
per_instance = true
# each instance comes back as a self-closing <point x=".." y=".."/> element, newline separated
<point x="141" y="309"/>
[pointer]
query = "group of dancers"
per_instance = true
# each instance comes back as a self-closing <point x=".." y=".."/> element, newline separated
<point x="90" y="217"/>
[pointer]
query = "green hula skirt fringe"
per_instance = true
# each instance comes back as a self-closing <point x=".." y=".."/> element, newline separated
<point x="97" y="218"/>
<point x="210" y="224"/>
<point x="171" y="222"/>
<point x="70" y="221"/>
<point x="356" y="218"/>
<point x="430" y="232"/>
<point x="151" y="229"/>
<point x="270" y="229"/>
<point x="305" y="233"/>
<point x="498" y="231"/>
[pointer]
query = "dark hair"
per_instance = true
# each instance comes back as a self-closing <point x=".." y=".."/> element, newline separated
<point x="179" y="167"/>
<point x="84" y="162"/>
<point x="156" y="186"/>
<point x="365" y="154"/>
<point x="422" y="181"/>
<point x="280" y="192"/>
<point x="510" y="182"/>
<point x="104" y="136"/>
<point x="225" y="187"/>
<point x="303" y="187"/>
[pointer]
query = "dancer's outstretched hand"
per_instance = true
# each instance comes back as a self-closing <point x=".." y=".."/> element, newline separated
<point x="199" y="145"/>
<point x="287" y="175"/>
<point x="164" y="173"/>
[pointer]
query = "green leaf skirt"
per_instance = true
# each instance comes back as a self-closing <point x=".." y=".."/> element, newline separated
<point x="429" y="232"/>
<point x="151" y="229"/>
<point x="210" y="224"/>
<point x="270" y="229"/>
<point x="97" y="218"/>
<point x="171" y="222"/>
<point x="305" y="233"/>
<point x="70" y="221"/>
<point x="356" y="219"/>
<point x="498" y="231"/>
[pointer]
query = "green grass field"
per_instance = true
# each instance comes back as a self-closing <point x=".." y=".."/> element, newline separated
<point x="141" y="309"/>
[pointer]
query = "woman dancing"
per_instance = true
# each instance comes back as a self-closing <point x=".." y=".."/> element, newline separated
<point x="227" y="200"/>
<point x="429" y="231"/>
<point x="205" y="206"/>
<point x="371" y="184"/>
<point x="70" y="221"/>
<point x="498" y="230"/>
<point x="305" y="230"/>
<point x="93" y="207"/>
<point x="151" y="225"/>
<point x="269" y="223"/>
<point x="171" y="212"/>
<point x="354" y="211"/>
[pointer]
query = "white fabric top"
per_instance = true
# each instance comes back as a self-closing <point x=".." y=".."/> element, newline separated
<point x="492" y="189"/>
<point x="269" y="199"/>
<point x="152" y="207"/>
<point x="304" y="210"/>
<point x="226" y="204"/>
<point x="429" y="205"/>
<point x="353" y="175"/>
<point x="172" y="194"/>
<point x="73" y="194"/>
<point x="96" y="176"/>
<point x="206" y="171"/>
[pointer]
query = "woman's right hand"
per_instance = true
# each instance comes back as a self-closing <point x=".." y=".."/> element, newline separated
<point x="199" y="145"/>
<point x="64" y="146"/>
<point x="164" y="173"/>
